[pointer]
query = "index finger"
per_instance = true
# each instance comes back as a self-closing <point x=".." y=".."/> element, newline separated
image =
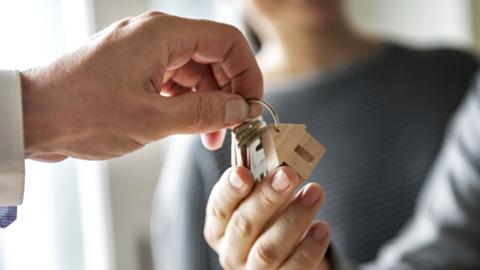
<point x="255" y="212"/>
<point x="234" y="185"/>
<point x="236" y="69"/>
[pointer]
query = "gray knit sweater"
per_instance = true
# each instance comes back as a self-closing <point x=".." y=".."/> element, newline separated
<point x="382" y="120"/>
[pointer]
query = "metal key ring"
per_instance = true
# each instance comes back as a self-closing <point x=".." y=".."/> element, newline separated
<point x="269" y="107"/>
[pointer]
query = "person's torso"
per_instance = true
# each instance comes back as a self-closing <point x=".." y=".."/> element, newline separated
<point x="382" y="124"/>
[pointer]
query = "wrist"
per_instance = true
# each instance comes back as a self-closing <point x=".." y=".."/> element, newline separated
<point x="35" y="116"/>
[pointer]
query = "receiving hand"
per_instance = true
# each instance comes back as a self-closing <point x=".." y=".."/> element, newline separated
<point x="266" y="226"/>
<point x="138" y="81"/>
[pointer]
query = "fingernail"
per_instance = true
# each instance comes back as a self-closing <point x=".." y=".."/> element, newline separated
<point x="280" y="181"/>
<point x="320" y="232"/>
<point x="255" y="110"/>
<point x="235" y="181"/>
<point x="236" y="110"/>
<point x="310" y="196"/>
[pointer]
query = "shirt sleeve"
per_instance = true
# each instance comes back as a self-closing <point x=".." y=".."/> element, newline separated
<point x="7" y="215"/>
<point x="444" y="232"/>
<point x="12" y="168"/>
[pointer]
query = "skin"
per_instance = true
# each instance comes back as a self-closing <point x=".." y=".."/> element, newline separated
<point x="136" y="82"/>
<point x="267" y="225"/>
<point x="301" y="36"/>
<point x="250" y="227"/>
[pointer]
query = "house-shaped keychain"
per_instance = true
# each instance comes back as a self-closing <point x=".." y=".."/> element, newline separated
<point x="292" y="145"/>
<point x="262" y="148"/>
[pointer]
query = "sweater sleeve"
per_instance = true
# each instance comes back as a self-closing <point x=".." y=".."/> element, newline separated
<point x="444" y="232"/>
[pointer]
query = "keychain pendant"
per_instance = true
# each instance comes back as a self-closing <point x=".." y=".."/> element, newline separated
<point x="262" y="148"/>
<point x="292" y="145"/>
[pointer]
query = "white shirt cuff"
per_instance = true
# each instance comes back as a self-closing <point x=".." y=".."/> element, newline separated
<point x="12" y="164"/>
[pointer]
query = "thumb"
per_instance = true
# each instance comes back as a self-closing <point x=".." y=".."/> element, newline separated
<point x="206" y="111"/>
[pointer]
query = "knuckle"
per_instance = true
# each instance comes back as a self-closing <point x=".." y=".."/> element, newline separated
<point x="111" y="34"/>
<point x="266" y="253"/>
<point x="152" y="19"/>
<point x="210" y="236"/>
<point x="242" y="226"/>
<point x="218" y="213"/>
<point x="266" y="200"/>
<point x="133" y="145"/>
<point x="124" y="22"/>
<point x="233" y="30"/>
<point x="292" y="221"/>
<point x="153" y="13"/>
<point x="226" y="261"/>
<point x="207" y="233"/>
<point x="115" y="34"/>
<point x="150" y="15"/>
<point x="237" y="37"/>
<point x="303" y="258"/>
<point x="204" y="112"/>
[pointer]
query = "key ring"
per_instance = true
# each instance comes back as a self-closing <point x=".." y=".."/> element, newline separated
<point x="269" y="107"/>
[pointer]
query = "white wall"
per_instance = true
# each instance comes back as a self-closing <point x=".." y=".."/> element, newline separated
<point x="420" y="23"/>
<point x="132" y="182"/>
<point x="108" y="11"/>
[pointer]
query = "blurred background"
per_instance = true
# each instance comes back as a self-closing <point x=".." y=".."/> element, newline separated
<point x="96" y="215"/>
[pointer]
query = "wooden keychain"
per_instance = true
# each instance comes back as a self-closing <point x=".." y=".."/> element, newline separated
<point x="262" y="148"/>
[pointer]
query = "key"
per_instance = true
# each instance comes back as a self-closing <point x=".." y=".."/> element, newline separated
<point x="257" y="161"/>
<point x="247" y="149"/>
<point x="262" y="148"/>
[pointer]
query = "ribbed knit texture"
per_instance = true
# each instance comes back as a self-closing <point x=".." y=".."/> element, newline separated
<point x="382" y="121"/>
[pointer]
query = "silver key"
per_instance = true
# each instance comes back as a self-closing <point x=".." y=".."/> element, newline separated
<point x="257" y="160"/>
<point x="263" y="148"/>
<point x="247" y="148"/>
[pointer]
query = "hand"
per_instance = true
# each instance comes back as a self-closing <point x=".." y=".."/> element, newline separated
<point x="138" y="81"/>
<point x="265" y="226"/>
